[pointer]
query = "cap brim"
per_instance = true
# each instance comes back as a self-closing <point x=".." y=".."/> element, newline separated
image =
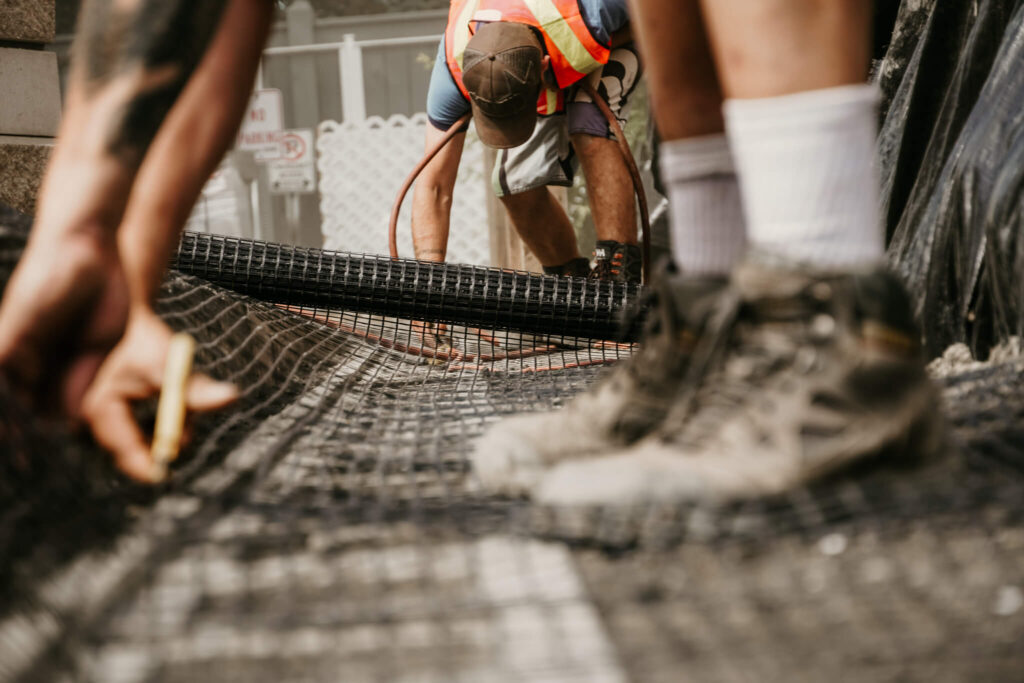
<point x="506" y="132"/>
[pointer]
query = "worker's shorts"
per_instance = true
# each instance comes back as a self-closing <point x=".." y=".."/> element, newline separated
<point x="548" y="158"/>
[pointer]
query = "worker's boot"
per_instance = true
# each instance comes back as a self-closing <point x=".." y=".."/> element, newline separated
<point x="617" y="262"/>
<point x="623" y="407"/>
<point x="578" y="267"/>
<point x="816" y="371"/>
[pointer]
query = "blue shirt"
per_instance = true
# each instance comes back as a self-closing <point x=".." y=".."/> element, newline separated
<point x="445" y="103"/>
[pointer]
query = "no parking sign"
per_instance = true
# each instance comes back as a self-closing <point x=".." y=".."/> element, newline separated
<point x="295" y="171"/>
<point x="263" y="124"/>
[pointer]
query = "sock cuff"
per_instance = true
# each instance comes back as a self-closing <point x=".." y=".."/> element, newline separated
<point x="700" y="157"/>
<point x="813" y="107"/>
<point x="806" y="164"/>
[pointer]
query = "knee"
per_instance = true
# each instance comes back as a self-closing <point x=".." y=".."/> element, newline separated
<point x="525" y="201"/>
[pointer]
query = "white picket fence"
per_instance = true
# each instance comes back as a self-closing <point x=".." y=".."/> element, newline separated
<point x="362" y="166"/>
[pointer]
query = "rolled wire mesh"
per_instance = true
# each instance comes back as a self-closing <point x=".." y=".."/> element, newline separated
<point x="440" y="292"/>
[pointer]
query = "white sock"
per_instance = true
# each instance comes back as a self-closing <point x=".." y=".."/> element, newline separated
<point x="806" y="164"/>
<point x="708" y="230"/>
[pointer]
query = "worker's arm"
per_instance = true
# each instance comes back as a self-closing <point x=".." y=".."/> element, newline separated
<point x="432" y="197"/>
<point x="148" y="117"/>
<point x="186" y="148"/>
<point x="66" y="303"/>
<point x="192" y="139"/>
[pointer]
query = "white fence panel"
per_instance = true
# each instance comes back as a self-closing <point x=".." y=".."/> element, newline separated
<point x="362" y="166"/>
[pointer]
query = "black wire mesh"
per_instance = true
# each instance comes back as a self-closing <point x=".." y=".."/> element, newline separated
<point x="321" y="525"/>
<point x="323" y="529"/>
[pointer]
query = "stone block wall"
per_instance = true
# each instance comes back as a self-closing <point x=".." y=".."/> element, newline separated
<point x="29" y="98"/>
<point x="28" y="21"/>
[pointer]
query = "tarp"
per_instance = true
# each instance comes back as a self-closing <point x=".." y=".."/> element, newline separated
<point x="952" y="162"/>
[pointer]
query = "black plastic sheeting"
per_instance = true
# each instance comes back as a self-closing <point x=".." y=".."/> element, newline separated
<point x="952" y="153"/>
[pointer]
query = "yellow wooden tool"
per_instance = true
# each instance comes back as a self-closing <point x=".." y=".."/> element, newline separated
<point x="170" y="412"/>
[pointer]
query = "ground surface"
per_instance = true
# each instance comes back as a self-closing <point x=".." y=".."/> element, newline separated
<point x="322" y="530"/>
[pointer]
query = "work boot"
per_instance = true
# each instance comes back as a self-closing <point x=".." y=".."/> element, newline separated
<point x="818" y="372"/>
<point x="625" y="406"/>
<point x="617" y="262"/>
<point x="578" y="267"/>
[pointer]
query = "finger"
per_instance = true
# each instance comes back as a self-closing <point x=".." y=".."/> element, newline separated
<point x="204" y="394"/>
<point x="114" y="428"/>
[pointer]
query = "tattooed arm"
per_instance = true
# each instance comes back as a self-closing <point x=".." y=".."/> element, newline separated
<point x="158" y="89"/>
<point x="193" y="135"/>
<point x="141" y="54"/>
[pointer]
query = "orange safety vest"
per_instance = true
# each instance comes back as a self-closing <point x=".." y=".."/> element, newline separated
<point x="573" y="50"/>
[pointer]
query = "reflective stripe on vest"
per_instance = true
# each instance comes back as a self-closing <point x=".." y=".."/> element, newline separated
<point x="565" y="36"/>
<point x="573" y="50"/>
<point x="551" y="103"/>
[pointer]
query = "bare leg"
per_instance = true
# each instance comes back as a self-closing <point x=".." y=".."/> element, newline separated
<point x="802" y="126"/>
<point x="685" y="93"/>
<point x="708" y="230"/>
<point x="766" y="48"/>
<point x="610" y="188"/>
<point x="543" y="226"/>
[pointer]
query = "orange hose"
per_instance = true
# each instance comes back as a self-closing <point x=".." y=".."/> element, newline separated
<point x="397" y="207"/>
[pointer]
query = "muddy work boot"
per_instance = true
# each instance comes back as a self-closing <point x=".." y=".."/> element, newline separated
<point x="578" y="267"/>
<point x="818" y="372"/>
<point x="622" y="408"/>
<point x="617" y="262"/>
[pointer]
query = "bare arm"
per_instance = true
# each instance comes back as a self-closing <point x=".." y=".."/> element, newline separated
<point x="193" y="138"/>
<point x="136" y="56"/>
<point x="132" y="59"/>
<point x="432" y="197"/>
<point x="157" y="90"/>
<point x="187" y="146"/>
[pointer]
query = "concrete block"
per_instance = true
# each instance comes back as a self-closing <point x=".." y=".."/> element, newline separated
<point x="28" y="21"/>
<point x="23" y="162"/>
<point x="29" y="92"/>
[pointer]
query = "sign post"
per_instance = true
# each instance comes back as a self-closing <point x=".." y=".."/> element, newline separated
<point x="294" y="172"/>
<point x="263" y="125"/>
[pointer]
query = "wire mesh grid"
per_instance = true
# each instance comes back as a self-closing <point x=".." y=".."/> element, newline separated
<point x="324" y="529"/>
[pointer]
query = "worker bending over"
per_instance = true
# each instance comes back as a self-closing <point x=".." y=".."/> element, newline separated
<point x="519" y="66"/>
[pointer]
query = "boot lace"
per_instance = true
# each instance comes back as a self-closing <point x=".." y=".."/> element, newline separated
<point x="735" y="358"/>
